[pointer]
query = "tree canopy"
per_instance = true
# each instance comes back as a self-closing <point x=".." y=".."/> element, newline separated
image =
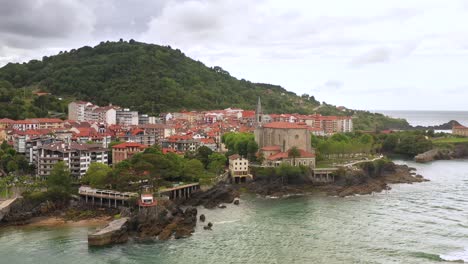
<point x="151" y="79"/>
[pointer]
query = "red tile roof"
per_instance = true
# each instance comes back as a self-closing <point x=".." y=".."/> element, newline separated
<point x="285" y="125"/>
<point x="129" y="145"/>
<point x="271" y="148"/>
<point x="285" y="155"/>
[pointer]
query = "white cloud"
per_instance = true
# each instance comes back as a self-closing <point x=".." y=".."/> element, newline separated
<point x="390" y="44"/>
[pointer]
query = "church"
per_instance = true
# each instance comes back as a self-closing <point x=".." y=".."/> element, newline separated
<point x="276" y="139"/>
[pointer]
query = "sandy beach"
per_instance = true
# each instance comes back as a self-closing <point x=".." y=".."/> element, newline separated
<point x="53" y="221"/>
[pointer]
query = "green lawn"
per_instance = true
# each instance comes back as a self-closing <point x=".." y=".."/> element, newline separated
<point x="450" y="140"/>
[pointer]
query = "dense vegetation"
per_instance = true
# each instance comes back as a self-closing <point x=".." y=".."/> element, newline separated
<point x="151" y="79"/>
<point x="13" y="163"/>
<point x="21" y="103"/>
<point x="367" y="121"/>
<point x="240" y="143"/>
<point x="122" y="72"/>
<point x="408" y="143"/>
<point x="344" y="144"/>
<point x="157" y="169"/>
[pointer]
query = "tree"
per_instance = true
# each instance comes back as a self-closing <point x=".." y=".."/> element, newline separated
<point x="294" y="153"/>
<point x="217" y="162"/>
<point x="193" y="170"/>
<point x="203" y="154"/>
<point x="252" y="149"/>
<point x="59" y="180"/>
<point x="97" y="175"/>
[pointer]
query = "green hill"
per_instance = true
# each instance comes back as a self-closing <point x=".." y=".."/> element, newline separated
<point x="145" y="77"/>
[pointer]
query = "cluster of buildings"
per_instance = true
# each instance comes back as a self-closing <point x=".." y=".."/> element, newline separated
<point x="110" y="115"/>
<point x="86" y="136"/>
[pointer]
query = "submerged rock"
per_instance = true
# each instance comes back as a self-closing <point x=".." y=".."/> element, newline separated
<point x="202" y="218"/>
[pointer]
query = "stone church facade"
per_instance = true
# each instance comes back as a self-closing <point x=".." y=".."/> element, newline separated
<point x="276" y="139"/>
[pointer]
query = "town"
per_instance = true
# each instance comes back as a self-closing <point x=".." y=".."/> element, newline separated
<point x="110" y="134"/>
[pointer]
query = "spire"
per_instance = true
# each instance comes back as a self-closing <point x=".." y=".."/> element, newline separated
<point x="258" y="113"/>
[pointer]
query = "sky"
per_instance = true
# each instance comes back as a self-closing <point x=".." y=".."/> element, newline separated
<point x="362" y="54"/>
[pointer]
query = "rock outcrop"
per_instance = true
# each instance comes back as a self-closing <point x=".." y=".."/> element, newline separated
<point x="427" y="156"/>
<point x="365" y="182"/>
<point x="213" y="197"/>
<point x="116" y="232"/>
<point x="163" y="222"/>
<point x="457" y="152"/>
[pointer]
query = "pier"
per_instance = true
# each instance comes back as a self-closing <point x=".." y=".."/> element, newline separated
<point x="324" y="175"/>
<point x="181" y="191"/>
<point x="5" y="207"/>
<point x="105" y="198"/>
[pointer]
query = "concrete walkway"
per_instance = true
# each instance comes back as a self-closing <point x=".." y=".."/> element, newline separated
<point x="362" y="161"/>
<point x="5" y="207"/>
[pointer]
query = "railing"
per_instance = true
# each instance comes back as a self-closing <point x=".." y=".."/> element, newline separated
<point x="106" y="194"/>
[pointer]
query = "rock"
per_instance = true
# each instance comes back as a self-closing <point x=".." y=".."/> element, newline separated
<point x="114" y="233"/>
<point x="236" y="201"/>
<point x="427" y="156"/>
<point x="214" y="196"/>
<point x="202" y="218"/>
<point x="208" y="226"/>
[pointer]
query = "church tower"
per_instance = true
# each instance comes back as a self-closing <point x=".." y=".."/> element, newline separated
<point x="258" y="113"/>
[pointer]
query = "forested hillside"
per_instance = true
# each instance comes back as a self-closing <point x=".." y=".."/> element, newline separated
<point x="148" y="78"/>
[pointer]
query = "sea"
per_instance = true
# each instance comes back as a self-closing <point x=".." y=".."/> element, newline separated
<point x="427" y="118"/>
<point x="411" y="223"/>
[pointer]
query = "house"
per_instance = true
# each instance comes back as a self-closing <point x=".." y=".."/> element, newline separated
<point x="460" y="131"/>
<point x="239" y="169"/>
<point x="303" y="159"/>
<point x="180" y="143"/>
<point x="125" y="151"/>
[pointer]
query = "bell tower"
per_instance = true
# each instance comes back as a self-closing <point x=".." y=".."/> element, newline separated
<point x="258" y="113"/>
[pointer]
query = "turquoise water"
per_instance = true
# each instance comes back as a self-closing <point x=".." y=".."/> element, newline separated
<point x="418" y="223"/>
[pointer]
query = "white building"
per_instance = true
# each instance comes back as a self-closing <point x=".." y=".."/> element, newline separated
<point x="76" y="110"/>
<point x="239" y="169"/>
<point x="126" y="117"/>
<point x="77" y="157"/>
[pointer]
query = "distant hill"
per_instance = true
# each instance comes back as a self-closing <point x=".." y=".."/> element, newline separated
<point x="148" y="78"/>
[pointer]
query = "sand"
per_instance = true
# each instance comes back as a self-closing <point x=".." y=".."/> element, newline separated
<point x="53" y="221"/>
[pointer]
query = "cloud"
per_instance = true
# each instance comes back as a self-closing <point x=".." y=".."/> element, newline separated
<point x="377" y="55"/>
<point x="295" y="44"/>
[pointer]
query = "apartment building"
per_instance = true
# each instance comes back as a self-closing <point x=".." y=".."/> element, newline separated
<point x="77" y="157"/>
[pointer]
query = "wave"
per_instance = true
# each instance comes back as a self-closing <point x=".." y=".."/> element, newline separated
<point x="461" y="256"/>
<point x="226" y="222"/>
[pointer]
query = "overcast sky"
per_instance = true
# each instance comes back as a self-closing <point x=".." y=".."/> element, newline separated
<point x="363" y="54"/>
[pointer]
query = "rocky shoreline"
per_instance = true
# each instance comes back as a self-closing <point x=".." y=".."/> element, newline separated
<point x="459" y="151"/>
<point x="353" y="182"/>
<point x="400" y="174"/>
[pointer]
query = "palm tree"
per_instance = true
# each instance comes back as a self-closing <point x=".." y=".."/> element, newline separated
<point x="294" y="153"/>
